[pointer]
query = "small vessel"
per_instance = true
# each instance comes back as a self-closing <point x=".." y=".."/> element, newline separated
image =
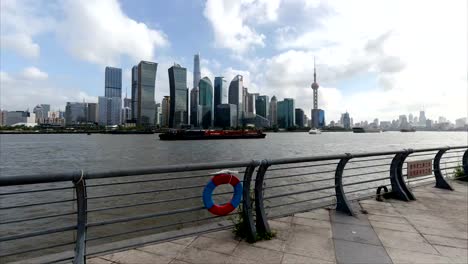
<point x="366" y="130"/>
<point x="408" y="130"/>
<point x="181" y="134"/>
<point x="315" y="131"/>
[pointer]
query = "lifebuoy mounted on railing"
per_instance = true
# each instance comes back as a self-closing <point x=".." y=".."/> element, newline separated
<point x="218" y="179"/>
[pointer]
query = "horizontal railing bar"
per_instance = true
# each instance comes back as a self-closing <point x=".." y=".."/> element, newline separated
<point x="36" y="204"/>
<point x="373" y="180"/>
<point x="421" y="178"/>
<point x="58" y="260"/>
<point x="40" y="190"/>
<point x="36" y="218"/>
<point x="296" y="183"/>
<point x="436" y="149"/>
<point x="300" y="174"/>
<point x="300" y="192"/>
<point x="152" y="228"/>
<point x="367" y="160"/>
<point x="37" y="249"/>
<point x="152" y="202"/>
<point x="141" y="217"/>
<point x="422" y="154"/>
<point x="146" y="192"/>
<point x="301" y="211"/>
<point x="305" y="166"/>
<point x="39" y="233"/>
<point x="365" y="173"/>
<point x="367" y="189"/>
<point x="370" y="166"/>
<point x="302" y="201"/>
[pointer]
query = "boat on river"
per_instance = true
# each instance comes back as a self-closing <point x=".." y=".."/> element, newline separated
<point x="181" y="134"/>
<point x="366" y="130"/>
<point x="315" y="131"/>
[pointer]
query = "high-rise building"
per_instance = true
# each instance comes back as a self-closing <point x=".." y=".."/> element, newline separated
<point x="262" y="106"/>
<point x="251" y="99"/>
<point x="205" y="101"/>
<point x="236" y="97"/>
<point x="299" y="117"/>
<point x="460" y="122"/>
<point x="92" y="113"/>
<point x="226" y="116"/>
<point x="346" y="120"/>
<point x="410" y="118"/>
<point x="422" y="118"/>
<point x="42" y="112"/>
<point x="220" y="94"/>
<point x="403" y="121"/>
<point x="157" y="114"/>
<point x="127" y="114"/>
<point x="196" y="70"/>
<point x="286" y="113"/>
<point x="273" y="113"/>
<point x="165" y="111"/>
<point x="317" y="115"/>
<point x="194" y="106"/>
<point x="442" y="119"/>
<point x="3" y="117"/>
<point x="113" y="82"/>
<point x="75" y="113"/>
<point x="146" y="90"/>
<point x="135" y="93"/>
<point x="178" y="114"/>
<point x="110" y="109"/>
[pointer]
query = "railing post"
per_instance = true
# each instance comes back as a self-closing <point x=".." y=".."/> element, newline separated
<point x="400" y="179"/>
<point x="465" y="163"/>
<point x="247" y="213"/>
<point x="440" y="180"/>
<point x="398" y="191"/>
<point x="80" y="246"/>
<point x="261" y="219"/>
<point x="342" y="203"/>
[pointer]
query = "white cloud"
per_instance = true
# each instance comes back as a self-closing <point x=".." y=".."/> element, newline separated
<point x="100" y="32"/>
<point x="232" y="22"/>
<point x="22" y="44"/>
<point x="31" y="87"/>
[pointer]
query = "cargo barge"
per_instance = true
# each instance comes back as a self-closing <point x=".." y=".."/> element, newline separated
<point x="210" y="134"/>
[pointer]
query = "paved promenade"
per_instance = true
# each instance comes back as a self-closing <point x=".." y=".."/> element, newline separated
<point x="433" y="229"/>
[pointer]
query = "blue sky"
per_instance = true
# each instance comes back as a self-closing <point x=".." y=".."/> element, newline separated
<point x="374" y="58"/>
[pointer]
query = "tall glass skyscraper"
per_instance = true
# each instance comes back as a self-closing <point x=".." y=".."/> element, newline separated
<point x="196" y="70"/>
<point x="134" y="92"/>
<point x="113" y="82"/>
<point x="262" y="106"/>
<point x="220" y="93"/>
<point x="273" y="114"/>
<point x="146" y="89"/>
<point x="286" y="113"/>
<point x="205" y="101"/>
<point x="179" y="96"/>
<point x="236" y="97"/>
<point x="194" y="106"/>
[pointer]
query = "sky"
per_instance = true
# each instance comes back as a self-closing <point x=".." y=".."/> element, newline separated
<point x="374" y="58"/>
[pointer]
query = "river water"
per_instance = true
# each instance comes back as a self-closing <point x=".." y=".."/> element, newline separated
<point x="34" y="154"/>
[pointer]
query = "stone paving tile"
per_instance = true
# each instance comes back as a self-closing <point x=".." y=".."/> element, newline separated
<point x="310" y="246"/>
<point x="296" y="259"/>
<point x="184" y="241"/>
<point x="260" y="255"/>
<point x="273" y="244"/>
<point x="217" y="245"/>
<point x="136" y="257"/>
<point x="446" y="241"/>
<point x="199" y="256"/>
<point x="458" y="255"/>
<point x="405" y="240"/>
<point x="393" y="226"/>
<point x="339" y="217"/>
<point x="353" y="252"/>
<point x="375" y="202"/>
<point x="178" y="261"/>
<point x="98" y="260"/>
<point x="168" y="249"/>
<point x="286" y="219"/>
<point x="443" y="232"/>
<point x="224" y="234"/>
<point x="319" y="214"/>
<point x="386" y="211"/>
<point x="388" y="219"/>
<point x="237" y="260"/>
<point x="400" y="256"/>
<point x="355" y="233"/>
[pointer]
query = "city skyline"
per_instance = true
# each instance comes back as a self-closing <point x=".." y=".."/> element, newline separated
<point x="387" y="74"/>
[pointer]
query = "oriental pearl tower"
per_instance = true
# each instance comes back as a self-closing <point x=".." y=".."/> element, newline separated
<point x="315" y="87"/>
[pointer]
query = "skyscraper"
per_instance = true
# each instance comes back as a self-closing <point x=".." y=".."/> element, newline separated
<point x="317" y="115"/>
<point x="110" y="109"/>
<point x="205" y="100"/>
<point x="75" y="113"/>
<point x="220" y="94"/>
<point x="262" y="106"/>
<point x="273" y="114"/>
<point x="42" y="112"/>
<point x="179" y="96"/>
<point x="113" y="82"/>
<point x="346" y="120"/>
<point x="299" y="117"/>
<point x="196" y="70"/>
<point x="134" y="93"/>
<point x="146" y="89"/>
<point x="286" y="113"/>
<point x="166" y="106"/>
<point x="236" y="97"/>
<point x="194" y="107"/>
<point x="422" y="118"/>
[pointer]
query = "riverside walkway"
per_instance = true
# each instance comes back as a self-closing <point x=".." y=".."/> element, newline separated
<point x="432" y="229"/>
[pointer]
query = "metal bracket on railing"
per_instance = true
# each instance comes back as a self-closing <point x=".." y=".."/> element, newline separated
<point x="342" y="203"/>
<point x="80" y="246"/>
<point x="247" y="213"/>
<point x="399" y="189"/>
<point x="465" y="163"/>
<point x="261" y="219"/>
<point x="440" y="180"/>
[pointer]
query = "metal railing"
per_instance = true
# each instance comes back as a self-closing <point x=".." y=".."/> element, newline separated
<point x="72" y="216"/>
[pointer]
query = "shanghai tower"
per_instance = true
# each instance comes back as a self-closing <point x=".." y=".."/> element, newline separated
<point x="194" y="91"/>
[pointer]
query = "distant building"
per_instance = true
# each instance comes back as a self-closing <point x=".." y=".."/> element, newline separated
<point x="410" y="118"/>
<point x="113" y="82"/>
<point x="346" y="120"/>
<point x="460" y="122"/>
<point x="442" y="119"/>
<point x="3" y="117"/>
<point x="75" y="113"/>
<point x="226" y="115"/>
<point x="262" y="106"/>
<point x="196" y="70"/>
<point x="403" y="121"/>
<point x="422" y="118"/>
<point x="157" y="114"/>
<point x="135" y="93"/>
<point x="429" y="123"/>
<point x="273" y="113"/>
<point x="92" y="113"/>
<point x="179" y="96"/>
<point x="146" y="90"/>
<point x="220" y="94"/>
<point x="299" y="117"/>
<point x="286" y="113"/>
<point x="252" y="97"/>
<point x="110" y="109"/>
<point x="165" y="110"/>
<point x="42" y="113"/>
<point x="194" y="106"/>
<point x="385" y="124"/>
<point x="205" y="103"/>
<point x="236" y="97"/>
<point x="318" y="118"/>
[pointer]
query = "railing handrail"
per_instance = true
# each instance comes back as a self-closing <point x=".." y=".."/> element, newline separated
<point x="76" y="175"/>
